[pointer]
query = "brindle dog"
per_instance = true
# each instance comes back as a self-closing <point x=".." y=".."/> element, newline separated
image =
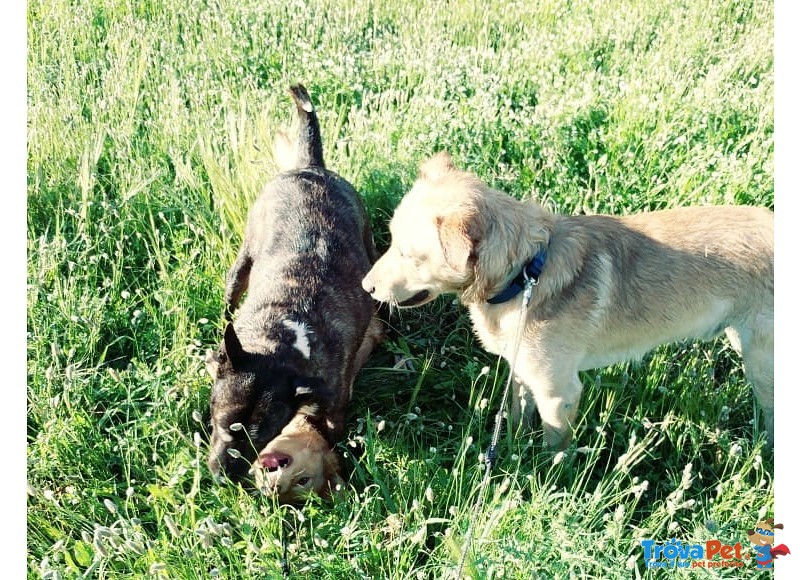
<point x="306" y="326"/>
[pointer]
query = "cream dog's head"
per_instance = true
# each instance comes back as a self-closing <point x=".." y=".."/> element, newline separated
<point x="297" y="463"/>
<point x="445" y="239"/>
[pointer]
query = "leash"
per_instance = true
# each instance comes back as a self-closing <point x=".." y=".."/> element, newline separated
<point x="491" y="451"/>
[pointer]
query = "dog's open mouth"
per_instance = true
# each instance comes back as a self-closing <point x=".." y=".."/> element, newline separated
<point x="274" y="461"/>
<point x="415" y="300"/>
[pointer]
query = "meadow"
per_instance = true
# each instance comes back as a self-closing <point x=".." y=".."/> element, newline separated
<point x="149" y="133"/>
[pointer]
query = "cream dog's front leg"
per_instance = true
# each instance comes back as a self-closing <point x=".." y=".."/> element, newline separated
<point x="557" y="397"/>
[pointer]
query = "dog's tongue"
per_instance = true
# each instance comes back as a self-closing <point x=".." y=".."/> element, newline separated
<point x="273" y="460"/>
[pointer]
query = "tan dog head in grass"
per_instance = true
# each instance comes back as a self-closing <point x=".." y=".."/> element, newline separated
<point x="609" y="288"/>
<point x="297" y="463"/>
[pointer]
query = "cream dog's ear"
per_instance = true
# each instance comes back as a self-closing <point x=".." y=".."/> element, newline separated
<point x="437" y="166"/>
<point x="459" y="234"/>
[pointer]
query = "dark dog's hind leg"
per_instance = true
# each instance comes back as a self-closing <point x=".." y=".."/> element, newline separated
<point x="237" y="281"/>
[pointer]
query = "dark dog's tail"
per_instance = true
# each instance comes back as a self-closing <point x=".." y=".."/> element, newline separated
<point x="307" y="151"/>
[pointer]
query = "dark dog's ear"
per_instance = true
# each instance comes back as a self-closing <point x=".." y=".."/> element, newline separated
<point x="232" y="348"/>
<point x="751" y="532"/>
<point x="777" y="526"/>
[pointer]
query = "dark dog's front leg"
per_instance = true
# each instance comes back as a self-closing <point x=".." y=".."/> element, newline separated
<point x="237" y="282"/>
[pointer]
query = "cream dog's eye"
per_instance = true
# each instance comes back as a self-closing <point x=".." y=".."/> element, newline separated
<point x="303" y="480"/>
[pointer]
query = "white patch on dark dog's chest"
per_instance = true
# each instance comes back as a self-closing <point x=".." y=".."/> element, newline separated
<point x="301" y="340"/>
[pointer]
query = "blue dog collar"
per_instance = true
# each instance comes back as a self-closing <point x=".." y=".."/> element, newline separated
<point x="531" y="271"/>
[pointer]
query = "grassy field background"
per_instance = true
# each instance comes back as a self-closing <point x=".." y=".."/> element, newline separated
<point x="149" y="131"/>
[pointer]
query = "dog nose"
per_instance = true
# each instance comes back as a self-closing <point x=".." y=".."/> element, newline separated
<point x="368" y="286"/>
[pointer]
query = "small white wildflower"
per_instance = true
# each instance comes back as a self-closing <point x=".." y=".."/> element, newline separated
<point x="234" y="453"/>
<point x="469" y="441"/>
<point x="673" y="526"/>
<point x="483" y="404"/>
<point x="48" y="495"/>
<point x="170" y="523"/>
<point x="514" y="457"/>
<point x="419" y="536"/>
<point x="197" y="439"/>
<point x="687" y="478"/>
<point x="157" y="567"/>
<point x="558" y="458"/>
<point x="584" y="450"/>
<point x="736" y="450"/>
<point x="504" y="485"/>
<point x="135" y="546"/>
<point x="100" y="548"/>
<point x="381" y="425"/>
<point x="203" y="321"/>
<point x="484" y="371"/>
<point x="214" y="572"/>
<point x="125" y="294"/>
<point x="129" y="492"/>
<point x="236" y="427"/>
<point x="429" y="494"/>
<point x="197" y="416"/>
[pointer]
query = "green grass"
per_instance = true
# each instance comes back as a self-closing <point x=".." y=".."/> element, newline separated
<point x="149" y="130"/>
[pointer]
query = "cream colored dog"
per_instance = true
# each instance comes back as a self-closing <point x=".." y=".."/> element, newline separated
<point x="297" y="463"/>
<point x="609" y="290"/>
